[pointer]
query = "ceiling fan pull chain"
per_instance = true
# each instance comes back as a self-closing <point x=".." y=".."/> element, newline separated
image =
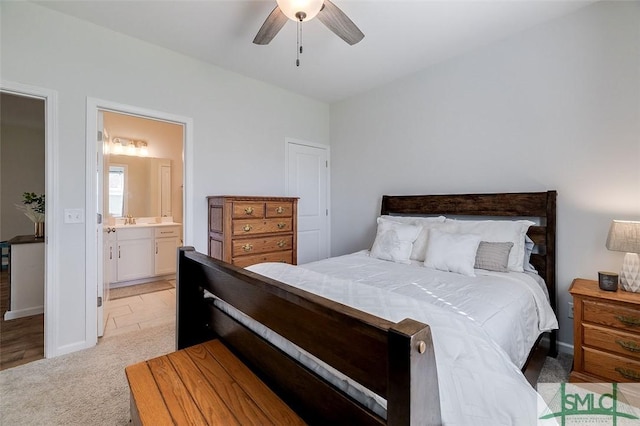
<point x="298" y="41"/>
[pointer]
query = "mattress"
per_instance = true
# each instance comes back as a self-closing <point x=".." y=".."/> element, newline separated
<point x="513" y="308"/>
<point x="478" y="381"/>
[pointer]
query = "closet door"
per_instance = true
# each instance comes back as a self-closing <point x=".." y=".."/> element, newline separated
<point x="307" y="179"/>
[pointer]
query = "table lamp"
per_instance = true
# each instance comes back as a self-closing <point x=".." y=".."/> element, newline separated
<point x="625" y="236"/>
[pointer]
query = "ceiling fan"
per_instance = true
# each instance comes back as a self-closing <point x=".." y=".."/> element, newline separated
<point x="304" y="10"/>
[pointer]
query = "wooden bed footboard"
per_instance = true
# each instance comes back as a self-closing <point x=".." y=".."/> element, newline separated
<point x="394" y="360"/>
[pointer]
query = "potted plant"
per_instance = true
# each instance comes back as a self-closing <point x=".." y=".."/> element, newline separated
<point x="33" y="206"/>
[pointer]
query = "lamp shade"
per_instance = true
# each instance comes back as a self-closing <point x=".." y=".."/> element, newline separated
<point x="291" y="7"/>
<point x="624" y="236"/>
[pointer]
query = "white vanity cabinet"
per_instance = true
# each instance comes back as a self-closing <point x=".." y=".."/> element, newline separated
<point x="142" y="253"/>
<point x="167" y="240"/>
<point x="134" y="253"/>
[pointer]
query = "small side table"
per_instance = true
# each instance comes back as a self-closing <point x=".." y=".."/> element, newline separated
<point x="606" y="333"/>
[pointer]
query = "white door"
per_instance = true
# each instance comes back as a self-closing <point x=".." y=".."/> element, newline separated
<point x="307" y="178"/>
<point x="103" y="262"/>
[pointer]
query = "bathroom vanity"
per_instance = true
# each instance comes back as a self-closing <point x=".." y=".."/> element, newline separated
<point x="142" y="252"/>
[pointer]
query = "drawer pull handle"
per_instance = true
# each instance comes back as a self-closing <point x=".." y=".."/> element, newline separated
<point x="248" y="210"/>
<point x="247" y="228"/>
<point x="281" y="225"/>
<point x="630" y="345"/>
<point x="281" y="243"/>
<point x="630" y="321"/>
<point x="628" y="373"/>
<point x="280" y="210"/>
<point x="247" y="247"/>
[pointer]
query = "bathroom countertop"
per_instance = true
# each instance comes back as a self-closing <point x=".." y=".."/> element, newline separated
<point x="148" y="225"/>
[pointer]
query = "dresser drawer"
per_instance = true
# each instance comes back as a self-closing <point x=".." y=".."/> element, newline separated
<point x="261" y="245"/>
<point x="246" y="209"/>
<point x="621" y="342"/>
<point x="612" y="315"/>
<point x="279" y="209"/>
<point x="611" y="367"/>
<point x="280" y="256"/>
<point x="258" y="226"/>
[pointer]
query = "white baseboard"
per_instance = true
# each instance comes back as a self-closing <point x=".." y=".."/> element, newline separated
<point x="21" y="313"/>
<point x="565" y="348"/>
<point x="142" y="281"/>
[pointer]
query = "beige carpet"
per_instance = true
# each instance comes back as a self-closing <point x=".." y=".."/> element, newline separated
<point x="134" y="290"/>
<point x="88" y="387"/>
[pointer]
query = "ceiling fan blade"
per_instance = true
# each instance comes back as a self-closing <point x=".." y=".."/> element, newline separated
<point x="339" y="23"/>
<point x="272" y="25"/>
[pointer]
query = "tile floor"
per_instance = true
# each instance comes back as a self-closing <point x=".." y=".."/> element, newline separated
<point x="139" y="312"/>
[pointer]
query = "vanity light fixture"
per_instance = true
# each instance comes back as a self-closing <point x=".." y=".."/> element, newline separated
<point x="124" y="146"/>
<point x="117" y="146"/>
<point x="143" y="150"/>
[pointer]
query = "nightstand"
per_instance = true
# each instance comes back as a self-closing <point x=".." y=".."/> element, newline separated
<point x="606" y="330"/>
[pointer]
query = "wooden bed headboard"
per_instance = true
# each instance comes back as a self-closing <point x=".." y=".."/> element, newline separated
<point x="537" y="205"/>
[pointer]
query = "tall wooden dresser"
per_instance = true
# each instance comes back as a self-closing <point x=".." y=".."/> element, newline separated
<point x="244" y="230"/>
<point x="606" y="330"/>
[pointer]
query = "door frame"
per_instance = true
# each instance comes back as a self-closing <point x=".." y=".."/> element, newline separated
<point x="93" y="156"/>
<point x="52" y="243"/>
<point x="292" y="141"/>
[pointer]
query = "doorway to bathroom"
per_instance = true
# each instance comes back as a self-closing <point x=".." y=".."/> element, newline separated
<point x="141" y="199"/>
<point x="142" y="179"/>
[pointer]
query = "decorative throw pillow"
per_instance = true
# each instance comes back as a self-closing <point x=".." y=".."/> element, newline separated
<point x="493" y="256"/>
<point x="419" y="250"/>
<point x="497" y="231"/>
<point x="394" y="241"/>
<point x="452" y="252"/>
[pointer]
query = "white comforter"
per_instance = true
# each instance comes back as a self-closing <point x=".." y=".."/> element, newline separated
<point x="478" y="382"/>
<point x="512" y="308"/>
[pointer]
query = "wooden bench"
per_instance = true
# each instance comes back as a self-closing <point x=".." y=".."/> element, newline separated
<point x="204" y="384"/>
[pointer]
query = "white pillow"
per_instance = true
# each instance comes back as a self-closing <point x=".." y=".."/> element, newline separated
<point x="497" y="231"/>
<point x="528" y="249"/>
<point x="394" y="241"/>
<point x="419" y="250"/>
<point x="452" y="252"/>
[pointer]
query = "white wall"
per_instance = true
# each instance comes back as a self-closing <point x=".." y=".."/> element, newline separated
<point x="555" y="107"/>
<point x="239" y="124"/>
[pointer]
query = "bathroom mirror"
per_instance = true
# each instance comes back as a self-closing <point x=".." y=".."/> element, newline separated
<point x="138" y="186"/>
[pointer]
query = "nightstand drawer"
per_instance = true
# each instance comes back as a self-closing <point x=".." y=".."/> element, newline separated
<point x="280" y="256"/>
<point x="611" y="367"/>
<point x="611" y="315"/>
<point x="242" y="247"/>
<point x="620" y="342"/>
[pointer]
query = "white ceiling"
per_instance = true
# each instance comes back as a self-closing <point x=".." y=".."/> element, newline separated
<point x="401" y="37"/>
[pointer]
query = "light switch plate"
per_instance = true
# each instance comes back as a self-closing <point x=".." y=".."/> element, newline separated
<point x="73" y="215"/>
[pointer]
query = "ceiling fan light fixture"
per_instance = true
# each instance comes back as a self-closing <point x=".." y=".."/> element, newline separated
<point x="292" y="9"/>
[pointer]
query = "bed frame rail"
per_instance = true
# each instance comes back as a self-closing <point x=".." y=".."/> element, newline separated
<point x="394" y="360"/>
